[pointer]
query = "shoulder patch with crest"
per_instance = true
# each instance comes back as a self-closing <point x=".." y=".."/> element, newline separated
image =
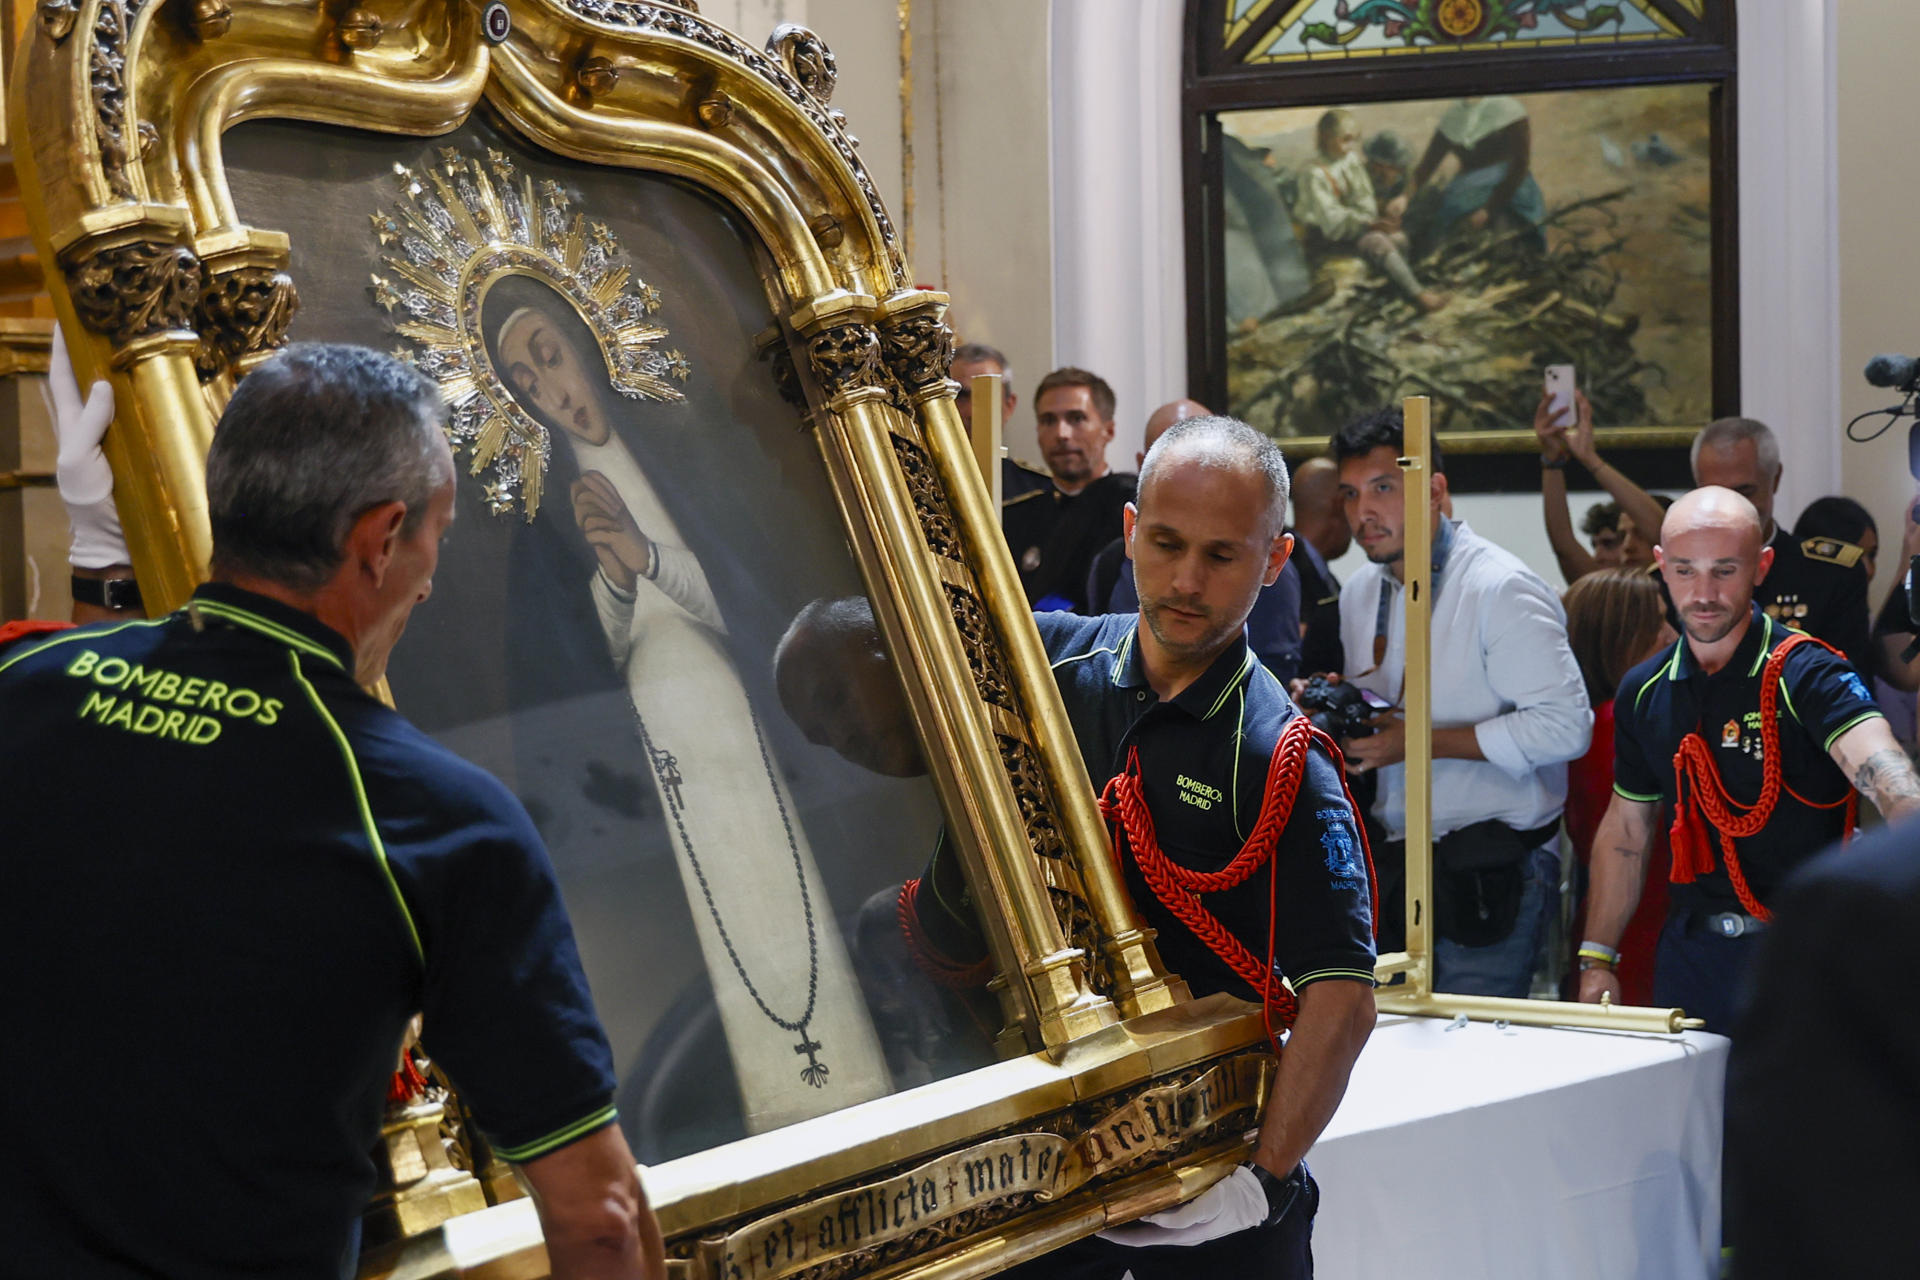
<point x="1832" y="551"/>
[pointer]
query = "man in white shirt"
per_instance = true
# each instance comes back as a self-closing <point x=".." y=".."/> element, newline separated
<point x="1509" y="710"/>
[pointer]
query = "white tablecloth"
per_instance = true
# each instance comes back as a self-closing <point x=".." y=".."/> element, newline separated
<point x="1488" y="1153"/>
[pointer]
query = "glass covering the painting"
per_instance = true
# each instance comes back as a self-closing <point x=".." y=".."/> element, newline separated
<point x="732" y="791"/>
<point x="1454" y="249"/>
<point x="1331" y="29"/>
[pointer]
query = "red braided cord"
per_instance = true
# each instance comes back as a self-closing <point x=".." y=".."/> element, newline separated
<point x="1178" y="888"/>
<point x="946" y="972"/>
<point x="1700" y="780"/>
<point x="12" y="631"/>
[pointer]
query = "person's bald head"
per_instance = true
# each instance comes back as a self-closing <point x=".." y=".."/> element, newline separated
<point x="1712" y="507"/>
<point x="1712" y="554"/>
<point x="1165" y="416"/>
<point x="1318" y="515"/>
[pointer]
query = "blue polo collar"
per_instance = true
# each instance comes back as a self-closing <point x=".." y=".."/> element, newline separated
<point x="1748" y="658"/>
<point x="1202" y="699"/>
<point x="268" y="617"/>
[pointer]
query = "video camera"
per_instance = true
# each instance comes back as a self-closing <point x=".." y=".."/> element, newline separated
<point x="1902" y="374"/>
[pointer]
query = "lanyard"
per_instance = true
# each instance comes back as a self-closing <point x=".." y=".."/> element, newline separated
<point x="1390" y="591"/>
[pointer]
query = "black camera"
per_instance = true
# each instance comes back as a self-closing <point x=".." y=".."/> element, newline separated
<point x="1337" y="709"/>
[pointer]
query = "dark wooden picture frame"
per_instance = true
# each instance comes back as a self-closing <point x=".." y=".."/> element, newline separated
<point x="1217" y="80"/>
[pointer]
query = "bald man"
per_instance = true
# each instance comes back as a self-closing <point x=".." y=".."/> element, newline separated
<point x="1713" y="555"/>
<point x="1165" y="416"/>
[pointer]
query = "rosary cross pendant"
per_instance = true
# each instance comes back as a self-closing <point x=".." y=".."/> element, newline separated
<point x="815" y="1072"/>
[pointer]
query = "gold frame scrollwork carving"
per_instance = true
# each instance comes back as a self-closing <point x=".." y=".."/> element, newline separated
<point x="163" y="288"/>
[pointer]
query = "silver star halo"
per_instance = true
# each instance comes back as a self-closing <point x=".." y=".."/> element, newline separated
<point x="456" y="227"/>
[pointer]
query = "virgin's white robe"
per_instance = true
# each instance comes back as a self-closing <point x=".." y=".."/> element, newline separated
<point x="666" y="639"/>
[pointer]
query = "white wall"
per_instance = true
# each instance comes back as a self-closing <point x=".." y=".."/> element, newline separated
<point x="982" y="160"/>
<point x="1879" y="186"/>
<point x="1790" y="371"/>
<point x="1119" y="222"/>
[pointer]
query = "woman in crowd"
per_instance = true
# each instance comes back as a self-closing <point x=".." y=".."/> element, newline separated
<point x="1893" y="679"/>
<point x="1616" y="618"/>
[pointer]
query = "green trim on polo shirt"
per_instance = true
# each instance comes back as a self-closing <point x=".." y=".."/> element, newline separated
<point x="1321" y="975"/>
<point x="272" y="630"/>
<point x="1862" y="718"/>
<point x="558" y="1138"/>
<point x="79" y="633"/>
<point x="1239" y="679"/>
<point x="1766" y="645"/>
<point x="367" y="823"/>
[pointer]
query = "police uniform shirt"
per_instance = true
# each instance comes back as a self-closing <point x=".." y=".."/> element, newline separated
<point x="232" y="878"/>
<point x="1668" y="696"/>
<point x="1055" y="536"/>
<point x="1016" y="478"/>
<point x="1321" y="648"/>
<point x="1204" y="756"/>
<point x="1818" y="586"/>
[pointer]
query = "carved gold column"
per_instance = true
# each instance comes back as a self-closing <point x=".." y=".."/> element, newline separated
<point x="134" y="287"/>
<point x="914" y="321"/>
<point x="892" y="482"/>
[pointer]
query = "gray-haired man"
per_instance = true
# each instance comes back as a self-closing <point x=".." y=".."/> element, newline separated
<point x="286" y="872"/>
<point x="1816" y="585"/>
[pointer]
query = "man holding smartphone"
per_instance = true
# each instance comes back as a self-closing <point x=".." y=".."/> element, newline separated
<point x="1509" y="710"/>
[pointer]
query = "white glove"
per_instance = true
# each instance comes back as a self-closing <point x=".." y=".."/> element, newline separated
<point x="1235" y="1203"/>
<point x="85" y="479"/>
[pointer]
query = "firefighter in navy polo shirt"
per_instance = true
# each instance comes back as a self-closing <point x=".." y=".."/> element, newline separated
<point x="1757" y="735"/>
<point x="1207" y="767"/>
<point x="235" y="876"/>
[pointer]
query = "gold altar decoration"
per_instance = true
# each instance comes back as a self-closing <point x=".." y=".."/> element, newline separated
<point x="456" y="228"/>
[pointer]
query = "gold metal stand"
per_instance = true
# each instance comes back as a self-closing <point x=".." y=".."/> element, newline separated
<point x="988" y="424"/>
<point x="1415" y="994"/>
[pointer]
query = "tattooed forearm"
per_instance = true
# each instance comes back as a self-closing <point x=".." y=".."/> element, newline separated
<point x="1887" y="778"/>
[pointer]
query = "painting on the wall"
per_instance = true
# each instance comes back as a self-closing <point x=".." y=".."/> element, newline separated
<point x="1455" y="248"/>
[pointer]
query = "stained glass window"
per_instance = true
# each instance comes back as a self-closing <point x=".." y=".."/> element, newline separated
<point x="1317" y="30"/>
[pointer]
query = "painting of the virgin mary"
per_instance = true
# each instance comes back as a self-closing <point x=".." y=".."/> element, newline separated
<point x="614" y="538"/>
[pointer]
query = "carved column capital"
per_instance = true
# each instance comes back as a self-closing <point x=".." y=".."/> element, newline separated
<point x="140" y="293"/>
<point x="243" y="318"/>
<point x="846" y="361"/>
<point x="919" y="351"/>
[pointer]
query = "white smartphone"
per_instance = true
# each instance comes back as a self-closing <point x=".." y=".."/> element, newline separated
<point x="1560" y="382"/>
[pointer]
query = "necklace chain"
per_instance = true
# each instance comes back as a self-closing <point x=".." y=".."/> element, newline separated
<point x="667" y="773"/>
